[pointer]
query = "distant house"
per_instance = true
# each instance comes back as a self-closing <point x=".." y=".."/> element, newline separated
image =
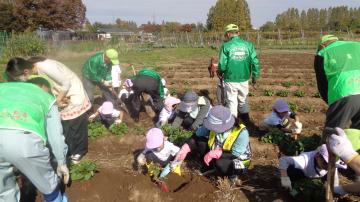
<point x="108" y="33"/>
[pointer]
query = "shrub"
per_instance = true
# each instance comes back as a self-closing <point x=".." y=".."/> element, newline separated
<point x="286" y="84"/>
<point x="119" y="129"/>
<point x="269" y="92"/>
<point x="300" y="83"/>
<point x="317" y="95"/>
<point x="83" y="171"/>
<point x="96" y="130"/>
<point x="178" y="136"/>
<point x="293" y="107"/>
<point x="309" y="109"/>
<point x="308" y="190"/>
<point x="25" y="44"/>
<point x="282" y="93"/>
<point x="299" y="93"/>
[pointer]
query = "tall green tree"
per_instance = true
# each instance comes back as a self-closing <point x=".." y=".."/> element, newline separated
<point x="229" y="11"/>
<point x="52" y="14"/>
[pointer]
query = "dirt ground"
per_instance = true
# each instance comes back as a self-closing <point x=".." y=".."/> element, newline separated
<point x="117" y="180"/>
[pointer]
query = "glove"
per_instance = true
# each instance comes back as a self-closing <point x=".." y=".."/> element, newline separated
<point x="165" y="171"/>
<point x="286" y="183"/>
<point x="182" y="153"/>
<point x="92" y="117"/>
<point x="341" y="146"/>
<point x="253" y="81"/>
<point x="63" y="172"/>
<point x="339" y="190"/>
<point x="212" y="154"/>
<point x="298" y="127"/>
<point x="107" y="83"/>
<point x="141" y="160"/>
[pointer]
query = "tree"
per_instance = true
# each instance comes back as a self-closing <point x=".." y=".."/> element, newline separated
<point x="229" y="11"/>
<point x="51" y="14"/>
<point x="268" y="26"/>
<point x="123" y="24"/>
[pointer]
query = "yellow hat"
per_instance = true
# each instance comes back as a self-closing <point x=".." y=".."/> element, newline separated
<point x="328" y="37"/>
<point x="113" y="55"/>
<point x="231" y="27"/>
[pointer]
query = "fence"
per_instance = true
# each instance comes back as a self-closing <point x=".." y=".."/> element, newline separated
<point x="276" y="40"/>
<point x="4" y="37"/>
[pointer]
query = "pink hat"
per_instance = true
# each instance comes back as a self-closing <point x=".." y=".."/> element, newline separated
<point x="281" y="106"/>
<point x="128" y="83"/>
<point x="154" y="138"/>
<point x="170" y="101"/>
<point x="324" y="152"/>
<point x="107" y="108"/>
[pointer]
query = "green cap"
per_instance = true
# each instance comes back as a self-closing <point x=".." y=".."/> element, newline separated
<point x="113" y="55"/>
<point x="328" y="37"/>
<point x="231" y="27"/>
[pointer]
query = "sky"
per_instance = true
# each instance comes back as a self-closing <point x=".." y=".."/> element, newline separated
<point x="193" y="11"/>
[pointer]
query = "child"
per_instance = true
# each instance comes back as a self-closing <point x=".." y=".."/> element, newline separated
<point x="168" y="112"/>
<point x="311" y="164"/>
<point x="279" y="118"/>
<point x="126" y="90"/>
<point x="159" y="151"/>
<point x="108" y="115"/>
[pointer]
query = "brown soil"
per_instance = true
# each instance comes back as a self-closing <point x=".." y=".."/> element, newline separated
<point x="118" y="180"/>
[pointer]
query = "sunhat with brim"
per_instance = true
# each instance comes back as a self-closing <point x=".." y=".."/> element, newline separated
<point x="328" y="37"/>
<point x="128" y="83"/>
<point x="187" y="106"/>
<point x="219" y="119"/>
<point x="231" y="27"/>
<point x="107" y="108"/>
<point x="113" y="55"/>
<point x="189" y="102"/>
<point x="154" y="138"/>
<point x="170" y="101"/>
<point x="322" y="150"/>
<point x="281" y="106"/>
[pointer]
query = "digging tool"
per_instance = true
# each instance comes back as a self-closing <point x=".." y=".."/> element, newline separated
<point x="213" y="69"/>
<point x="331" y="167"/>
<point x="133" y="69"/>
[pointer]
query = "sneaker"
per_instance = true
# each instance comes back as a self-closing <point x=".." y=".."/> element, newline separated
<point x="75" y="159"/>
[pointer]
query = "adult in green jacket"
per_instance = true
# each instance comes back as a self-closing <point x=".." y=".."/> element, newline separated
<point x="337" y="68"/>
<point x="97" y="72"/>
<point x="237" y="62"/>
<point x="29" y="120"/>
<point x="146" y="81"/>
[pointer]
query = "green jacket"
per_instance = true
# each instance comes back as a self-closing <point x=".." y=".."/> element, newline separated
<point x="341" y="63"/>
<point x="238" y="60"/>
<point x="24" y="106"/>
<point x="95" y="68"/>
<point x="155" y="75"/>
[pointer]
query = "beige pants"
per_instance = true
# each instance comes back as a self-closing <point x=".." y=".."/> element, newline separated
<point x="236" y="93"/>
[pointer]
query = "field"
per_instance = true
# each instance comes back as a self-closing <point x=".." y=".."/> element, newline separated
<point x="285" y="74"/>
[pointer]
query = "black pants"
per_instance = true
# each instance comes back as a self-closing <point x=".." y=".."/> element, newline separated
<point x="225" y="165"/>
<point x="341" y="112"/>
<point x="89" y="88"/>
<point x="149" y="85"/>
<point x="76" y="135"/>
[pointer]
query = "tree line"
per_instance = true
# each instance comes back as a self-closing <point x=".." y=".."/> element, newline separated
<point x="341" y="18"/>
<point x="29" y="15"/>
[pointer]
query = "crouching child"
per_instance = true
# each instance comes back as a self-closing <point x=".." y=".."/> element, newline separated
<point x="160" y="152"/>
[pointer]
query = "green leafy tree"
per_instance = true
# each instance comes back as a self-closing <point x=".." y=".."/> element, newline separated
<point x="52" y="14"/>
<point x="229" y="11"/>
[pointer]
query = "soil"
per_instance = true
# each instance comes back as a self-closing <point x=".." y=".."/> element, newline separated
<point x="119" y="180"/>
